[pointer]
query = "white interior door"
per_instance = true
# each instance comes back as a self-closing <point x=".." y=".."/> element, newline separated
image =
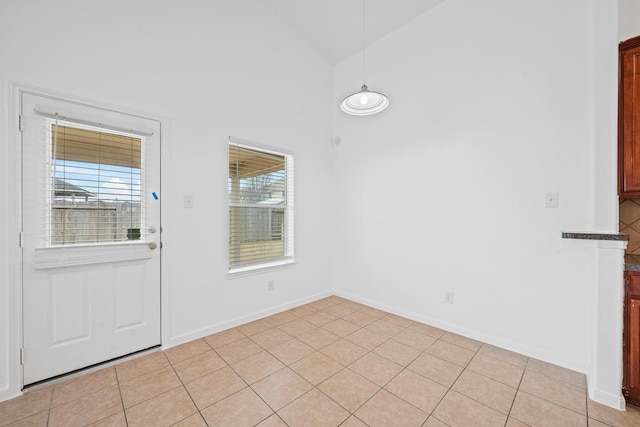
<point x="91" y="235"/>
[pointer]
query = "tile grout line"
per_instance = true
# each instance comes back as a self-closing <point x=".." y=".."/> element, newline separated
<point x="586" y="392"/>
<point x="185" y="387"/>
<point x="227" y="366"/>
<point x="341" y="370"/>
<point x="316" y="351"/>
<point x="553" y="403"/>
<point x="405" y="367"/>
<point x="124" y="412"/>
<point x="515" y="395"/>
<point x="404" y="328"/>
<point x="395" y="376"/>
<point x="250" y="385"/>
<point x="373" y="351"/>
<point x="450" y="388"/>
<point x="51" y="404"/>
<point x="476" y="352"/>
<point x="369" y="351"/>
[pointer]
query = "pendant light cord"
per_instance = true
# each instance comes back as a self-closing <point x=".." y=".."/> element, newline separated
<point x="364" y="102"/>
<point x="364" y="52"/>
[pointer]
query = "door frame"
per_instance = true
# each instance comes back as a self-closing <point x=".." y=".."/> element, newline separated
<point x="14" y="315"/>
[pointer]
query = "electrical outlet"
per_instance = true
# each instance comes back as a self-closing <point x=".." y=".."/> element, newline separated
<point x="270" y="285"/>
<point x="448" y="297"/>
<point x="188" y="202"/>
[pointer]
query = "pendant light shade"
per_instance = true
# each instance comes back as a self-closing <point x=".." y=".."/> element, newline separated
<point x="365" y="102"/>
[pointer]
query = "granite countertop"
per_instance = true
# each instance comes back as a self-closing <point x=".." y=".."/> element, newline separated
<point x="631" y="262"/>
<point x="580" y="235"/>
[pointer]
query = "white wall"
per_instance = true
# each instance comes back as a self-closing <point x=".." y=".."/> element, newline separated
<point x="628" y="19"/>
<point x="607" y="302"/>
<point x="208" y="70"/>
<point x="492" y="105"/>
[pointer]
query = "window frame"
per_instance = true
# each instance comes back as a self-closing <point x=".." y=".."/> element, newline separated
<point x="288" y="260"/>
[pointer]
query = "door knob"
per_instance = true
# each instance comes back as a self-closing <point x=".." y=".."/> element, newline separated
<point x="152" y="245"/>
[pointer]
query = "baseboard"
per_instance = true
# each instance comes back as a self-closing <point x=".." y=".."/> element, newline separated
<point x="219" y="327"/>
<point x="613" y="401"/>
<point x="7" y="394"/>
<point x="516" y="347"/>
<point x="608" y="399"/>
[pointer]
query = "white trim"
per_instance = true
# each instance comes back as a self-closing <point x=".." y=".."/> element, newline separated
<point x="516" y="347"/>
<point x="288" y="260"/>
<point x="244" y="143"/>
<point x="14" y="258"/>
<point x="612" y="244"/>
<point x="64" y="256"/>
<point x="91" y="124"/>
<point x="607" y="324"/>
<point x="15" y="380"/>
<point x="616" y="402"/>
<point x="260" y="268"/>
<point x="80" y="101"/>
<point x="256" y="205"/>
<point x="227" y="324"/>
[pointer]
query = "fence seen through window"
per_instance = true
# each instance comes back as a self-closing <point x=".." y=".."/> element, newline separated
<point x="96" y="186"/>
<point x="259" y="208"/>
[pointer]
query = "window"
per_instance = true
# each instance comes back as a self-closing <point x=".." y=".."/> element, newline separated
<point x="95" y="185"/>
<point x="260" y="207"/>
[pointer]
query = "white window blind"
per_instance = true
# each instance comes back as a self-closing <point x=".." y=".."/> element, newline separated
<point x="260" y="206"/>
<point x="94" y="190"/>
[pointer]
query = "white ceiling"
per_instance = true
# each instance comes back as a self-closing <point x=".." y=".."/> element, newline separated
<point x="334" y="27"/>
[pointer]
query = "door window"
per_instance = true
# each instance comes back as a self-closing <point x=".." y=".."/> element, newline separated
<point x="95" y="185"/>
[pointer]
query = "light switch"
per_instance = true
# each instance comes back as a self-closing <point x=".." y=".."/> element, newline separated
<point x="188" y="202"/>
<point x="551" y="200"/>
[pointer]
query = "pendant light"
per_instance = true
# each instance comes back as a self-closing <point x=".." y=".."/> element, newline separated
<point x="364" y="102"/>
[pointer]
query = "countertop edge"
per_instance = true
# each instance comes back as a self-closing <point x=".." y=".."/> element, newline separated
<point x="595" y="236"/>
<point x="631" y="267"/>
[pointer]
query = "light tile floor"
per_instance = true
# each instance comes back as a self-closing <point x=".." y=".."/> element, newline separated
<point x="328" y="363"/>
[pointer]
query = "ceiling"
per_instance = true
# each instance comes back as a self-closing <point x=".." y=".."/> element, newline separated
<point x="334" y="27"/>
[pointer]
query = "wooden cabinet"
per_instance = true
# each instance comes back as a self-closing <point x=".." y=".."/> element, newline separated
<point x="629" y="119"/>
<point x="631" y="338"/>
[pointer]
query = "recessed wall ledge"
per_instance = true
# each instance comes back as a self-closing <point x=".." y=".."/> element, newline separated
<point x="582" y="235"/>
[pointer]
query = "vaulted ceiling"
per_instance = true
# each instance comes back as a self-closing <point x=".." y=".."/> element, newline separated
<point x="334" y="27"/>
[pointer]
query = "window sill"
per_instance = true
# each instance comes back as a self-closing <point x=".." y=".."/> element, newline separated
<point x="261" y="268"/>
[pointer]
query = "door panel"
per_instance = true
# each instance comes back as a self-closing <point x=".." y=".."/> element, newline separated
<point x="130" y="296"/>
<point x="70" y="307"/>
<point x="629" y="119"/>
<point x="91" y="270"/>
<point x="634" y="343"/>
